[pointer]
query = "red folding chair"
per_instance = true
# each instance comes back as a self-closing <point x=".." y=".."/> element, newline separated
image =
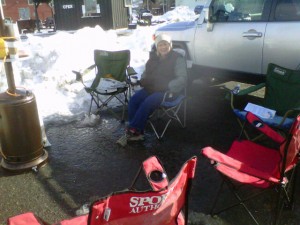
<point x="267" y="168"/>
<point x="28" y="218"/>
<point x="161" y="205"/>
<point x="165" y="204"/>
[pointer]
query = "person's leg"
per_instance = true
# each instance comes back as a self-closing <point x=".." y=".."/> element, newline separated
<point x="140" y="107"/>
<point x="145" y="109"/>
<point x="134" y="103"/>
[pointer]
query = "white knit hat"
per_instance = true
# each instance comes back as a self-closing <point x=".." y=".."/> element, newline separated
<point x="163" y="37"/>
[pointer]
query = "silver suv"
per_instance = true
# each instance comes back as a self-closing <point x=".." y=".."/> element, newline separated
<point x="241" y="36"/>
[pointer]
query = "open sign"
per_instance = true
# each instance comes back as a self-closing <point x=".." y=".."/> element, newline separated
<point x="67" y="6"/>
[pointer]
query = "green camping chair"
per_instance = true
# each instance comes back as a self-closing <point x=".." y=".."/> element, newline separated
<point x="112" y="81"/>
<point x="282" y="94"/>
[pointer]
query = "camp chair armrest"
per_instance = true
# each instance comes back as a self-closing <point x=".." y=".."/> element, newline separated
<point x="264" y="128"/>
<point x="288" y="115"/>
<point x="251" y="89"/>
<point x="130" y="71"/>
<point x="166" y="95"/>
<point x="244" y="92"/>
<point x="218" y="158"/>
<point x="169" y="96"/>
<point x="291" y="111"/>
<point x="80" y="74"/>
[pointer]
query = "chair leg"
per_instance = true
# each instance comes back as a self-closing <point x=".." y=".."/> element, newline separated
<point x="160" y="135"/>
<point x="171" y="114"/>
<point x="104" y="103"/>
<point x="285" y="198"/>
<point x="243" y="131"/>
<point x="216" y="198"/>
<point x="184" y="118"/>
<point x="241" y="202"/>
<point x="126" y="101"/>
<point x="93" y="99"/>
<point x="237" y="196"/>
<point x="91" y="103"/>
<point x="165" y="129"/>
<point x="278" y="208"/>
<point x="293" y="179"/>
<point x="155" y="131"/>
<point x="184" y="112"/>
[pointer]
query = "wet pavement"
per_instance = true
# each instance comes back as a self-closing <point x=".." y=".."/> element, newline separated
<point x="85" y="164"/>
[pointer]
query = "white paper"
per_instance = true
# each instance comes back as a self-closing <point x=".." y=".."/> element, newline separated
<point x="260" y="111"/>
<point x="110" y="85"/>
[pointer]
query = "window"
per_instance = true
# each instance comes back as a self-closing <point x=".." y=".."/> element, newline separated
<point x="90" y="8"/>
<point x="287" y="10"/>
<point x="128" y="3"/>
<point x="24" y="13"/>
<point x="30" y="2"/>
<point x="237" y="10"/>
<point x="3" y="2"/>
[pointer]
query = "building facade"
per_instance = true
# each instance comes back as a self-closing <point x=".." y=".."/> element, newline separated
<point x="75" y="14"/>
<point x="69" y="14"/>
<point x="24" y="10"/>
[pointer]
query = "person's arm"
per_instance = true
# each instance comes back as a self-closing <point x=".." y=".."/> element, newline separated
<point x="143" y="80"/>
<point x="179" y="83"/>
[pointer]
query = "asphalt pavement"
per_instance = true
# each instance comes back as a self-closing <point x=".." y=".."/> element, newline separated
<point x="85" y="163"/>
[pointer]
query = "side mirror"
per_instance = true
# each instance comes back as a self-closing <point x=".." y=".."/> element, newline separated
<point x="208" y="9"/>
<point x="209" y="24"/>
<point x="201" y="18"/>
<point x="206" y="14"/>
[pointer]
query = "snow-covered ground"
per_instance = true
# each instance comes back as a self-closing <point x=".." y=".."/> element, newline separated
<point x="48" y="70"/>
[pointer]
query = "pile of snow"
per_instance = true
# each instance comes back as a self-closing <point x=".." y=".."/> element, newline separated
<point x="48" y="70"/>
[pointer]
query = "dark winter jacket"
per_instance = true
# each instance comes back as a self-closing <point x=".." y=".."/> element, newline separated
<point x="165" y="74"/>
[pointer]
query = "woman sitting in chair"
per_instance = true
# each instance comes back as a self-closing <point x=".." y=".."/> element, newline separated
<point x="165" y="71"/>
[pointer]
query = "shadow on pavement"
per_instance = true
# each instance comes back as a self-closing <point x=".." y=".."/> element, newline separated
<point x="85" y="163"/>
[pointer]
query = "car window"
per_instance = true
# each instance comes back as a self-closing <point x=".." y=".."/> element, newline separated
<point x="287" y="10"/>
<point x="237" y="10"/>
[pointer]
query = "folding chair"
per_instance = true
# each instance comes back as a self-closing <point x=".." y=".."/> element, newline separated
<point x="281" y="94"/>
<point x="170" y="109"/>
<point x="111" y="81"/>
<point x="167" y="112"/>
<point x="166" y="203"/>
<point x="248" y="164"/>
<point x="163" y="204"/>
<point x="30" y="218"/>
<point x="26" y="218"/>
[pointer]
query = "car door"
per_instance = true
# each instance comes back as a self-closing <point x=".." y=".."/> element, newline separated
<point x="236" y="39"/>
<point x="282" y="35"/>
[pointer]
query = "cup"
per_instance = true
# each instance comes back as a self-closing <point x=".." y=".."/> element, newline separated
<point x="12" y="46"/>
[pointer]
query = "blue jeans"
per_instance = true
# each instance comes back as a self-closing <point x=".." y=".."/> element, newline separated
<point x="141" y="106"/>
